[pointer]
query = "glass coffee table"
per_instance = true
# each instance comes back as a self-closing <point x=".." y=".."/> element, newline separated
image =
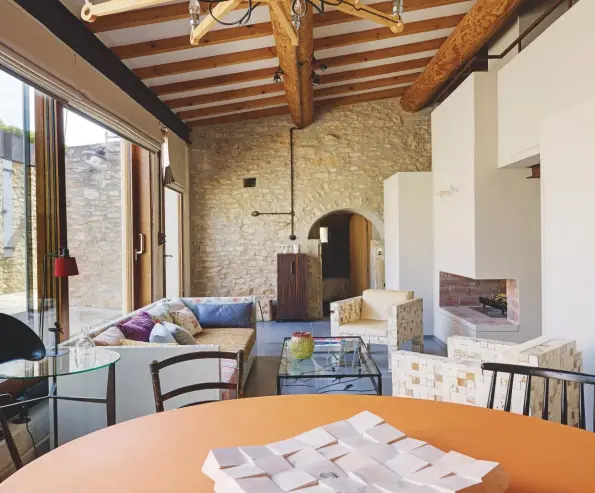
<point x="339" y="365"/>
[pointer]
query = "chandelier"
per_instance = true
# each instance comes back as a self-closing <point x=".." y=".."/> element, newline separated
<point x="218" y="9"/>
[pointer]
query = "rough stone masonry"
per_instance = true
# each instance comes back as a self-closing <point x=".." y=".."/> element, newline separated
<point x="341" y="161"/>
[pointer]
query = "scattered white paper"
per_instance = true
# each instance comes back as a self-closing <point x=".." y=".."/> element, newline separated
<point x="286" y="447"/>
<point x="324" y="470"/>
<point x="405" y="464"/>
<point x="428" y="453"/>
<point x="243" y="471"/>
<point x="408" y="444"/>
<point x="293" y="479"/>
<point x="344" y="485"/>
<point x="341" y="429"/>
<point x="384" y="433"/>
<point x="254" y="453"/>
<point x="364" y="421"/>
<point x="317" y="438"/>
<point x="353" y="461"/>
<point x="273" y="465"/>
<point x="357" y="442"/>
<point x="374" y="474"/>
<point x="333" y="452"/>
<point x="380" y="452"/>
<point x="305" y="456"/>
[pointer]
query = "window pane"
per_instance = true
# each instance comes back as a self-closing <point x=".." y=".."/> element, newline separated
<point x="17" y="191"/>
<point x="94" y="221"/>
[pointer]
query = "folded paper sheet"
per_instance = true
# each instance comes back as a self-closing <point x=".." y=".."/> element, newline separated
<point x="360" y="455"/>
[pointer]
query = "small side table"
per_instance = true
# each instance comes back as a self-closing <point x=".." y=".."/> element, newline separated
<point x="54" y="367"/>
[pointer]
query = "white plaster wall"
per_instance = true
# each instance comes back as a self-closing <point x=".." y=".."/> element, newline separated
<point x="553" y="73"/>
<point x="568" y="228"/>
<point x="408" y="243"/>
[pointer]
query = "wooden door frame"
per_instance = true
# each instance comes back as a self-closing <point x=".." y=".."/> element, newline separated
<point x="180" y="194"/>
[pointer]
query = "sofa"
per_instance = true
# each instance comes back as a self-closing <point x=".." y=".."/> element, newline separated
<point x="380" y="316"/>
<point x="459" y="378"/>
<point x="134" y="393"/>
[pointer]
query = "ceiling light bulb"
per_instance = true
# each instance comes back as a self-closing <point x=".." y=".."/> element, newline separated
<point x="397" y="8"/>
<point x="194" y="10"/>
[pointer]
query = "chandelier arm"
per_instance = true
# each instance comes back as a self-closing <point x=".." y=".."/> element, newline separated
<point x="363" y="8"/>
<point x="244" y="19"/>
<point x="320" y="10"/>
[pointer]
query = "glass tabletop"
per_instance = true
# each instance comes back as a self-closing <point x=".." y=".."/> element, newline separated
<point x="65" y="364"/>
<point x="332" y="357"/>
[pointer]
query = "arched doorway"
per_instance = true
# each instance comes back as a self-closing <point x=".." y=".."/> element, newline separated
<point x="348" y="255"/>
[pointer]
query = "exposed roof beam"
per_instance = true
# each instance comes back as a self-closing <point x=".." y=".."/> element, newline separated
<point x="273" y="87"/>
<point x="484" y="19"/>
<point x="55" y="17"/>
<point x="178" y="11"/>
<point x="280" y="100"/>
<point x="206" y="63"/>
<point x="143" y="17"/>
<point x="284" y="110"/>
<point x="270" y="52"/>
<point x="338" y="61"/>
<point x="167" y="45"/>
<point x="384" y="33"/>
<point x="216" y="81"/>
<point x="296" y="62"/>
<point x="261" y="29"/>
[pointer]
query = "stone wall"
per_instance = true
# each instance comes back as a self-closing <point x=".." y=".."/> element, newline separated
<point x="341" y="162"/>
<point x="463" y="291"/>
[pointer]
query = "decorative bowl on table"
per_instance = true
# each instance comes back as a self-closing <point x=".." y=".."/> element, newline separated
<point x="301" y="345"/>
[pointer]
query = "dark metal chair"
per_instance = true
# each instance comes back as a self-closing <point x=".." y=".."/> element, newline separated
<point x="532" y="372"/>
<point x="157" y="366"/>
<point x="17" y="342"/>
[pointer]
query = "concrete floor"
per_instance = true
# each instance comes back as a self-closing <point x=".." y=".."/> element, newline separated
<point x="262" y="380"/>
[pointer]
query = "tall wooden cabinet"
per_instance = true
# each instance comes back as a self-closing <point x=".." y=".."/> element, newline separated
<point x="292" y="269"/>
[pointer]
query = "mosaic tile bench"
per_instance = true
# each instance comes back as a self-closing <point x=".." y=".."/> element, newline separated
<point x="459" y="377"/>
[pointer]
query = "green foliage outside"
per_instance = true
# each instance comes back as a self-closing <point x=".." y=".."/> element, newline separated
<point x="12" y="129"/>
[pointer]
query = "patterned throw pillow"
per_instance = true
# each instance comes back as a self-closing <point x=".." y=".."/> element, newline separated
<point x="138" y="328"/>
<point x="176" y="304"/>
<point x="128" y="342"/>
<point x="182" y="336"/>
<point x="186" y="319"/>
<point x="110" y="337"/>
<point x="160" y="313"/>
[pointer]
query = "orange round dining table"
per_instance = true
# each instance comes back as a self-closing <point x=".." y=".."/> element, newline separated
<point x="164" y="453"/>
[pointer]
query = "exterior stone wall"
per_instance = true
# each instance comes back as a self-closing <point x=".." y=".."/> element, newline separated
<point x="340" y="163"/>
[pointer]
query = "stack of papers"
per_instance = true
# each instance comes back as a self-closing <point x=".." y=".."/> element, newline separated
<point x="362" y="454"/>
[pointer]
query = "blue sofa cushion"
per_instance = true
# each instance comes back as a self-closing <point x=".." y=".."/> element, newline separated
<point x="229" y="315"/>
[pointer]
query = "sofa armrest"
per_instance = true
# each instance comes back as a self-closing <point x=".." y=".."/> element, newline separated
<point x="345" y="311"/>
<point x="463" y="347"/>
<point x="405" y="322"/>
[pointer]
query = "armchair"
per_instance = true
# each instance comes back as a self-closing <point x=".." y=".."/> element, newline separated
<point x="381" y="317"/>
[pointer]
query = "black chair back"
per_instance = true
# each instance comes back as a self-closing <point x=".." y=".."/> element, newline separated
<point x="18" y="341"/>
<point x="531" y="372"/>
<point x="156" y="366"/>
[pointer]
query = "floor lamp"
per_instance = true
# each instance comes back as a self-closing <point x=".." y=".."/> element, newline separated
<point x="64" y="266"/>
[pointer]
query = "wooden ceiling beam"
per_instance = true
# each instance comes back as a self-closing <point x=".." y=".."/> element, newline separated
<point x="384" y="33"/>
<point x="262" y="29"/>
<point x="264" y="89"/>
<point x="205" y="63"/>
<point x="280" y="100"/>
<point x="338" y="61"/>
<point x="267" y="53"/>
<point x="484" y="19"/>
<point x="178" y="11"/>
<point x="168" y="45"/>
<point x="284" y="110"/>
<point x="296" y="62"/>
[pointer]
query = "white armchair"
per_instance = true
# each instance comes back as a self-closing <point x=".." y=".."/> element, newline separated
<point x="381" y="317"/>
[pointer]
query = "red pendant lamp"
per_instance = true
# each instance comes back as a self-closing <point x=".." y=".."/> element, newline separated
<point x="65" y="265"/>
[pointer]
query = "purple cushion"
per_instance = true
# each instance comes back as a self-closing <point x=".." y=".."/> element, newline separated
<point x="138" y="328"/>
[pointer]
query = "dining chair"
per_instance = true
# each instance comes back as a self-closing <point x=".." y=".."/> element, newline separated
<point x="17" y="342"/>
<point x="157" y="366"/>
<point x="532" y="372"/>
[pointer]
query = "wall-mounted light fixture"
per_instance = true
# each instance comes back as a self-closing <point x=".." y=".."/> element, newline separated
<point x="323" y="234"/>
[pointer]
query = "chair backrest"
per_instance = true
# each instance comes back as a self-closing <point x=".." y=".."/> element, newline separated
<point x="531" y="372"/>
<point x="376" y="303"/>
<point x="18" y="341"/>
<point x="157" y="366"/>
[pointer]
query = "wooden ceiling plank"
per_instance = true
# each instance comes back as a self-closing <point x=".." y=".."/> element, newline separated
<point x="177" y="43"/>
<point x="388" y="68"/>
<point x="91" y="12"/>
<point x="283" y="110"/>
<point x="205" y="63"/>
<point x="165" y="13"/>
<point x="220" y="10"/>
<point x="233" y="107"/>
<point x="361" y="86"/>
<point x="168" y="45"/>
<point x="249" y="115"/>
<point x="484" y="19"/>
<point x="213" y="97"/>
<point x="383" y="33"/>
<point x="337" y="61"/>
<point x="296" y="63"/>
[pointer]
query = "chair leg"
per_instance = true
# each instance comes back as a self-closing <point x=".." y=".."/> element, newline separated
<point x="10" y="443"/>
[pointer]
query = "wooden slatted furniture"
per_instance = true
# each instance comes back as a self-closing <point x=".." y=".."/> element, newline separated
<point x="566" y="377"/>
<point x="157" y="366"/>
